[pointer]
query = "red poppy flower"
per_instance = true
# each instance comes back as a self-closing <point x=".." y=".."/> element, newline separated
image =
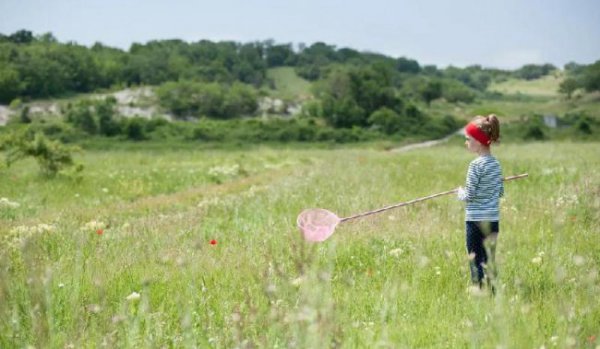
<point x="99" y="231"/>
<point x="213" y="242"/>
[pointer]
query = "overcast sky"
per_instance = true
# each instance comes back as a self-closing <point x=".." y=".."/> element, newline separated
<point x="494" y="33"/>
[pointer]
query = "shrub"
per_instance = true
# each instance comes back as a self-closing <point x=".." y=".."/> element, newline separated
<point x="51" y="155"/>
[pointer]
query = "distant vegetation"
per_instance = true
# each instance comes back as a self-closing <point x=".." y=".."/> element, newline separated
<point x="213" y="91"/>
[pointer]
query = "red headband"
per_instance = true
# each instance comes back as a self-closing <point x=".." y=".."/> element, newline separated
<point x="472" y="130"/>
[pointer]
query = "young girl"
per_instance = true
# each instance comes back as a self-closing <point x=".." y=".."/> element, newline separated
<point x="482" y="192"/>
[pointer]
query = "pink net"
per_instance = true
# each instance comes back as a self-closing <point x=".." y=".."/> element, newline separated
<point x="317" y="224"/>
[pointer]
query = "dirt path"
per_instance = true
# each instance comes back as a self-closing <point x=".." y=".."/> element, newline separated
<point x="426" y="144"/>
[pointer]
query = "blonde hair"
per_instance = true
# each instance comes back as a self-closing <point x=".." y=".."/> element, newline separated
<point x="490" y="125"/>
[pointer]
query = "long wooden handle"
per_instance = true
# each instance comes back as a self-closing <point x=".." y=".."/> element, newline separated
<point x="406" y="203"/>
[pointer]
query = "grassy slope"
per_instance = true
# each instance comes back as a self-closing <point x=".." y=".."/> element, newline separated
<point x="546" y="86"/>
<point x="524" y="98"/>
<point x="288" y="84"/>
<point x="398" y="279"/>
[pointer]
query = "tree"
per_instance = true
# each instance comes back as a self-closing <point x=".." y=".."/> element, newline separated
<point x="80" y="115"/>
<point x="21" y="37"/>
<point x="431" y="91"/>
<point x="568" y="86"/>
<point x="387" y="120"/>
<point x="105" y="110"/>
<point x="10" y="83"/>
<point x="350" y="96"/>
<point x="405" y="65"/>
<point x="279" y="55"/>
<point x="591" y="77"/>
<point x="534" y="71"/>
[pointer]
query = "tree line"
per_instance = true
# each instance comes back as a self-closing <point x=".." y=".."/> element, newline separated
<point x="39" y="66"/>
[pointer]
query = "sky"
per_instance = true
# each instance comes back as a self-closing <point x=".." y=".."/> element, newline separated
<point x="502" y="34"/>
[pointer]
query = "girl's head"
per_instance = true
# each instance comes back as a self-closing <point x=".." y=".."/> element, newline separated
<point x="481" y="132"/>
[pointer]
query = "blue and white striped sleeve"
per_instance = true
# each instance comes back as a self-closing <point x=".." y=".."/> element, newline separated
<point x="473" y="176"/>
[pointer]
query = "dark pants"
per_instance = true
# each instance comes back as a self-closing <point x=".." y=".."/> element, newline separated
<point x="478" y="248"/>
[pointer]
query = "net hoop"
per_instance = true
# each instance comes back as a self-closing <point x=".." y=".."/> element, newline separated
<point x="317" y="224"/>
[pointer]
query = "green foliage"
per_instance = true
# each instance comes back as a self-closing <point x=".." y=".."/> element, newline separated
<point x="52" y="156"/>
<point x="93" y="116"/>
<point x="387" y="120"/>
<point x="568" y="86"/>
<point x="474" y="76"/>
<point x="591" y="78"/>
<point x="279" y="55"/>
<point x="533" y="129"/>
<point x="274" y="130"/>
<point x="407" y="65"/>
<point x="11" y="85"/>
<point x="582" y="124"/>
<point x="24" y="115"/>
<point x="134" y="129"/>
<point x="432" y="90"/>
<point x="194" y="99"/>
<point x="534" y="71"/>
<point x="105" y="113"/>
<point x="351" y="96"/>
<point x="455" y="92"/>
<point x="81" y="115"/>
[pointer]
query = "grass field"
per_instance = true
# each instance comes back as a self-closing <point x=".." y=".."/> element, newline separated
<point x="122" y="258"/>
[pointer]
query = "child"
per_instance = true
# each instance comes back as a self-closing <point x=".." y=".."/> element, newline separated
<point x="482" y="192"/>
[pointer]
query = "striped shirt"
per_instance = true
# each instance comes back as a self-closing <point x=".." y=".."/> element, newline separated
<point x="483" y="189"/>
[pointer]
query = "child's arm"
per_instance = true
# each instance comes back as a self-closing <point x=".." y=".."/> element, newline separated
<point x="468" y="193"/>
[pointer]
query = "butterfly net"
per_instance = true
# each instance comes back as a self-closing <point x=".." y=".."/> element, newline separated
<point x="317" y="224"/>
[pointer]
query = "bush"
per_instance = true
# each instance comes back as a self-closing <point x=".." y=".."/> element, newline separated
<point x="534" y="129"/>
<point x="193" y="99"/>
<point x="51" y="155"/>
<point x="134" y="129"/>
<point x="386" y="120"/>
<point x="457" y="92"/>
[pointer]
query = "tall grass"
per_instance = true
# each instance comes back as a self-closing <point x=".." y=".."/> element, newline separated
<point x="133" y="266"/>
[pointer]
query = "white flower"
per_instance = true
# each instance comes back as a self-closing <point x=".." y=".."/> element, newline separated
<point x="536" y="260"/>
<point x="134" y="296"/>
<point x="4" y="202"/>
<point x="94" y="225"/>
<point x="396" y="252"/>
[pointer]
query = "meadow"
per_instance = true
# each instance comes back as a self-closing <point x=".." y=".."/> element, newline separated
<point x="185" y="248"/>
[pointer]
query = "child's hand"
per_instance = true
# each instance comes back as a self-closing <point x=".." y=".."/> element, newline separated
<point x="461" y="193"/>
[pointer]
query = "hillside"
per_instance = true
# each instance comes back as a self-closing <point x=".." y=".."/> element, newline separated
<point x="546" y="86"/>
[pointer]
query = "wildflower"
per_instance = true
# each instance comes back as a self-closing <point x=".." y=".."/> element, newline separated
<point x="396" y="252"/>
<point x="213" y="242"/>
<point x="94" y="308"/>
<point x="134" y="296"/>
<point x="7" y="203"/>
<point x="578" y="260"/>
<point x="536" y="260"/>
<point x="94" y="225"/>
<point x="298" y="281"/>
<point x="100" y="231"/>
